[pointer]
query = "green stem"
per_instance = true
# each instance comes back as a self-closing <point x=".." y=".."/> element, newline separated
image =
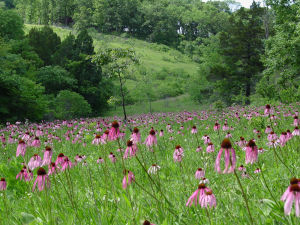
<point x="5" y="205"/>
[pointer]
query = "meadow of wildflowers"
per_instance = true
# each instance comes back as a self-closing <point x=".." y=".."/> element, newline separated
<point x="237" y="166"/>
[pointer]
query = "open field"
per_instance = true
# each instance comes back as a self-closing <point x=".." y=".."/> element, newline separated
<point x="155" y="180"/>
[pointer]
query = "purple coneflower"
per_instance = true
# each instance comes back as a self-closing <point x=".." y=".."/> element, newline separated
<point x="199" y="149"/>
<point x="217" y="126"/>
<point x="292" y="193"/>
<point x="194" y="197"/>
<point x="272" y="136"/>
<point x="267" y="109"/>
<point x="204" y="181"/>
<point x="296" y="132"/>
<point x="199" y="174"/>
<point x="230" y="159"/>
<point x="251" y="153"/>
<point x="23" y="174"/>
<point x="161" y="133"/>
<point x="210" y="148"/>
<point x="242" y="168"/>
<point x="35" y="161"/>
<point x="194" y="130"/>
<point x="131" y="149"/>
<point x="21" y="149"/>
<point x="128" y="178"/>
<point x="146" y="222"/>
<point x="53" y="168"/>
<point x="36" y="143"/>
<point x="136" y="136"/>
<point x="208" y="199"/>
<point x="98" y="140"/>
<point x="114" y="131"/>
<point x="228" y="135"/>
<point x="66" y="164"/>
<point x="153" y="169"/>
<point x="151" y="139"/>
<point x="47" y="156"/>
<point x="268" y="130"/>
<point x="2" y="184"/>
<point x="60" y="159"/>
<point x="100" y="160"/>
<point x="41" y="179"/>
<point x="257" y="170"/>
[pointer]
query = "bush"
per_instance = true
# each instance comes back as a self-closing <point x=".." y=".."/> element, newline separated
<point x="71" y="105"/>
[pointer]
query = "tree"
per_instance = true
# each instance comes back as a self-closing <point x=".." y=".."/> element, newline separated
<point x="55" y="79"/>
<point x="117" y="61"/>
<point x="45" y="43"/>
<point x="11" y="25"/>
<point x="242" y="48"/>
<point x="71" y="105"/>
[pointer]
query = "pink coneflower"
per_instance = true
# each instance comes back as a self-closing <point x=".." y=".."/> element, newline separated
<point x="105" y="135"/>
<point x="283" y="139"/>
<point x="113" y="158"/>
<point x="245" y="175"/>
<point x="23" y="174"/>
<point x="131" y="149"/>
<point x="257" y="170"/>
<point x="60" y="159"/>
<point x="151" y="139"/>
<point x="114" y="131"/>
<point x="210" y="148"/>
<point x="289" y="135"/>
<point x="199" y="149"/>
<point x="21" y="149"/>
<point x="66" y="164"/>
<point x="2" y="184"/>
<point x="261" y="150"/>
<point x="136" y="136"/>
<point x="153" y="169"/>
<point x="199" y="174"/>
<point x="98" y="140"/>
<point x="242" y="168"/>
<point x="272" y="136"/>
<point x="178" y="151"/>
<point x="100" y="160"/>
<point x="208" y="199"/>
<point x="217" y="126"/>
<point x="296" y="132"/>
<point x="273" y="144"/>
<point x="251" y="153"/>
<point x="26" y="136"/>
<point x="34" y="162"/>
<point x="171" y="138"/>
<point x="268" y="130"/>
<point x="194" y="130"/>
<point x="161" y="133"/>
<point x="242" y="143"/>
<point x="146" y="222"/>
<point x="194" y="197"/>
<point x="296" y="121"/>
<point x="225" y="127"/>
<point x="228" y="135"/>
<point x="36" y="143"/>
<point x="53" y="168"/>
<point x="267" y="109"/>
<point x="291" y="193"/>
<point x="47" y="156"/>
<point x="41" y="179"/>
<point x="128" y="178"/>
<point x="204" y="181"/>
<point x="230" y="159"/>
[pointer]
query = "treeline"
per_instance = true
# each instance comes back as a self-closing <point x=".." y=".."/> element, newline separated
<point x="42" y="77"/>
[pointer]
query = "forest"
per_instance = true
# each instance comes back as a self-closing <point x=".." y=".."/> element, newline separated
<point x="243" y="56"/>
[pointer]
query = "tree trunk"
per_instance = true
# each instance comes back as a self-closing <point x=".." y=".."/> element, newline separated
<point x="123" y="97"/>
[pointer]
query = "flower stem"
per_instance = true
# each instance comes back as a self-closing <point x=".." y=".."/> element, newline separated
<point x="5" y="204"/>
<point x="99" y="218"/>
<point x="244" y="195"/>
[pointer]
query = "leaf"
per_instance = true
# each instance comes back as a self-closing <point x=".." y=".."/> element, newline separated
<point x="27" y="218"/>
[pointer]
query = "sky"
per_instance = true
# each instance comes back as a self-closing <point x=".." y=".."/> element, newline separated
<point x="245" y="3"/>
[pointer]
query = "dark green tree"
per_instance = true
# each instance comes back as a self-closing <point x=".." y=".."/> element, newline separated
<point x="242" y="48"/>
<point x="11" y="25"/>
<point x="45" y="43"/>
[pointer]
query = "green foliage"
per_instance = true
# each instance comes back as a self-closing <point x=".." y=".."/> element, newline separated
<point x="45" y="43"/>
<point x="11" y="25"/>
<point x="55" y="78"/>
<point x="70" y="105"/>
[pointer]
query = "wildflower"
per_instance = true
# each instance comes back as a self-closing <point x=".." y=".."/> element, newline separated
<point x="199" y="174"/>
<point x="194" y="130"/>
<point x="199" y="149"/>
<point x="178" y="153"/>
<point x="34" y="162"/>
<point x="228" y="135"/>
<point x="66" y="164"/>
<point x="225" y="127"/>
<point x="261" y="150"/>
<point x="24" y="174"/>
<point x="98" y="140"/>
<point x="153" y="169"/>
<point x="146" y="222"/>
<point x="128" y="178"/>
<point x="292" y="193"/>
<point x="210" y="148"/>
<point x="151" y="139"/>
<point x="136" y="136"/>
<point x="21" y="149"/>
<point x="201" y="191"/>
<point x="204" y="181"/>
<point x="60" y="159"/>
<point x="242" y="168"/>
<point x="217" y="126"/>
<point x="242" y="143"/>
<point x="171" y="138"/>
<point x="267" y="109"/>
<point x="296" y="121"/>
<point x="230" y="159"/>
<point x="296" y="132"/>
<point x="257" y="170"/>
<point x="113" y="159"/>
<point x="2" y="184"/>
<point x="268" y="130"/>
<point x="208" y="199"/>
<point x="100" y="160"/>
<point x="53" y="168"/>
<point x="273" y="144"/>
<point x="41" y="179"/>
<point x="283" y="139"/>
<point x="161" y="133"/>
<point x="114" y="131"/>
<point x="245" y="175"/>
<point x="289" y="135"/>
<point x="272" y="136"/>
<point x="47" y="156"/>
<point x="251" y="153"/>
<point x="36" y="143"/>
<point x="131" y="149"/>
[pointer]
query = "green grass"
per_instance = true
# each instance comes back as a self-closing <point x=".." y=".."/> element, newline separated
<point x="175" y="104"/>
